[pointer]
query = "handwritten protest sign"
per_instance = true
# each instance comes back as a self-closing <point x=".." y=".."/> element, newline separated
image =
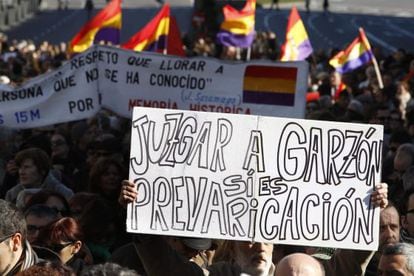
<point x="118" y="80"/>
<point x="254" y="178"/>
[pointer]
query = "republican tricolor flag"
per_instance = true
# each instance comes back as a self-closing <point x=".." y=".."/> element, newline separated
<point x="355" y="55"/>
<point x="153" y="37"/>
<point x="297" y="45"/>
<point x="237" y="28"/>
<point x="105" y="26"/>
<point x="270" y="85"/>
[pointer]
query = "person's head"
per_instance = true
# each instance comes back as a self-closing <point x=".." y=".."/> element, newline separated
<point x="381" y="113"/>
<point x="355" y="111"/>
<point x="105" y="178"/>
<point x="404" y="157"/>
<point x="253" y="258"/>
<point x="407" y="217"/>
<point x="12" y="236"/>
<point x="370" y="72"/>
<point x="77" y="134"/>
<point x="387" y="80"/>
<point x="397" y="138"/>
<point x="335" y="78"/>
<point x="107" y="269"/>
<point x="47" y="268"/>
<point x="59" y="145"/>
<point x="189" y="247"/>
<point x="408" y="179"/>
<point x="33" y="164"/>
<point x="37" y="218"/>
<point x="282" y="250"/>
<point x="78" y="202"/>
<point x="104" y="146"/>
<point x="299" y="264"/>
<point x="51" y="199"/>
<point x="24" y="196"/>
<point x="399" y="55"/>
<point x="344" y="99"/>
<point x="397" y="259"/>
<point x="397" y="124"/>
<point x="64" y="237"/>
<point x="389" y="226"/>
<point x="403" y="87"/>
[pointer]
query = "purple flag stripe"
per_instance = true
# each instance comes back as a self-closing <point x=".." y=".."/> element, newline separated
<point x="108" y="34"/>
<point x="229" y="39"/>
<point x="304" y="50"/>
<point x="158" y="45"/>
<point x="355" y="63"/>
<point x="286" y="99"/>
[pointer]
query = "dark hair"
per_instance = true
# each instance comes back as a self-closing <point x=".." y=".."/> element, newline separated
<point x="400" y="136"/>
<point x="100" y="168"/>
<point x="81" y="199"/>
<point x="11" y="220"/>
<point x="43" y="195"/>
<point x="64" y="229"/>
<point x="40" y="141"/>
<point x="64" y="135"/>
<point x="48" y="268"/>
<point x="96" y="219"/>
<point x="404" y="249"/>
<point x="40" y="210"/>
<point x="39" y="157"/>
<point x="63" y="132"/>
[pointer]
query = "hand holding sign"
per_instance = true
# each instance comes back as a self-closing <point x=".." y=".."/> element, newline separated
<point x="379" y="196"/>
<point x="128" y="193"/>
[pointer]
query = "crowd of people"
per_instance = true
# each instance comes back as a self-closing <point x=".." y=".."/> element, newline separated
<point x="62" y="194"/>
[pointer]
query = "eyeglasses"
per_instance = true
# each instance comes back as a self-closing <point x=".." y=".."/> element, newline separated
<point x="59" y="247"/>
<point x="6" y="237"/>
<point x="63" y="212"/>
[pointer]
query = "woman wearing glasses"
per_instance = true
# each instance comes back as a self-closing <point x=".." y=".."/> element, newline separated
<point x="64" y="237"/>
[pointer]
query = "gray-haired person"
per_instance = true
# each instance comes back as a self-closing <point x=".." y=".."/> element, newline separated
<point x="397" y="259"/>
<point x="16" y="254"/>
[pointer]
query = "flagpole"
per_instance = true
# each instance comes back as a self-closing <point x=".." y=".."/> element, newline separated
<point x="249" y="50"/>
<point x="374" y="60"/>
<point x="377" y="72"/>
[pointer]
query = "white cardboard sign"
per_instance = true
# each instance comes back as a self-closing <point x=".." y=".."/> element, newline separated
<point x="246" y="177"/>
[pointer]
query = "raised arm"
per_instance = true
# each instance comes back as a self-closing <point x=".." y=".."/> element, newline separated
<point x="156" y="255"/>
<point x="355" y="262"/>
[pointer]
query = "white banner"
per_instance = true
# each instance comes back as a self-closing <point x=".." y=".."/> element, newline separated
<point x="66" y="94"/>
<point x="265" y="179"/>
<point x="119" y="80"/>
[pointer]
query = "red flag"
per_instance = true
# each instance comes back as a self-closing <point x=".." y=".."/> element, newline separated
<point x="297" y="45"/>
<point x="153" y="37"/>
<point x="105" y="26"/>
<point x="175" y="45"/>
